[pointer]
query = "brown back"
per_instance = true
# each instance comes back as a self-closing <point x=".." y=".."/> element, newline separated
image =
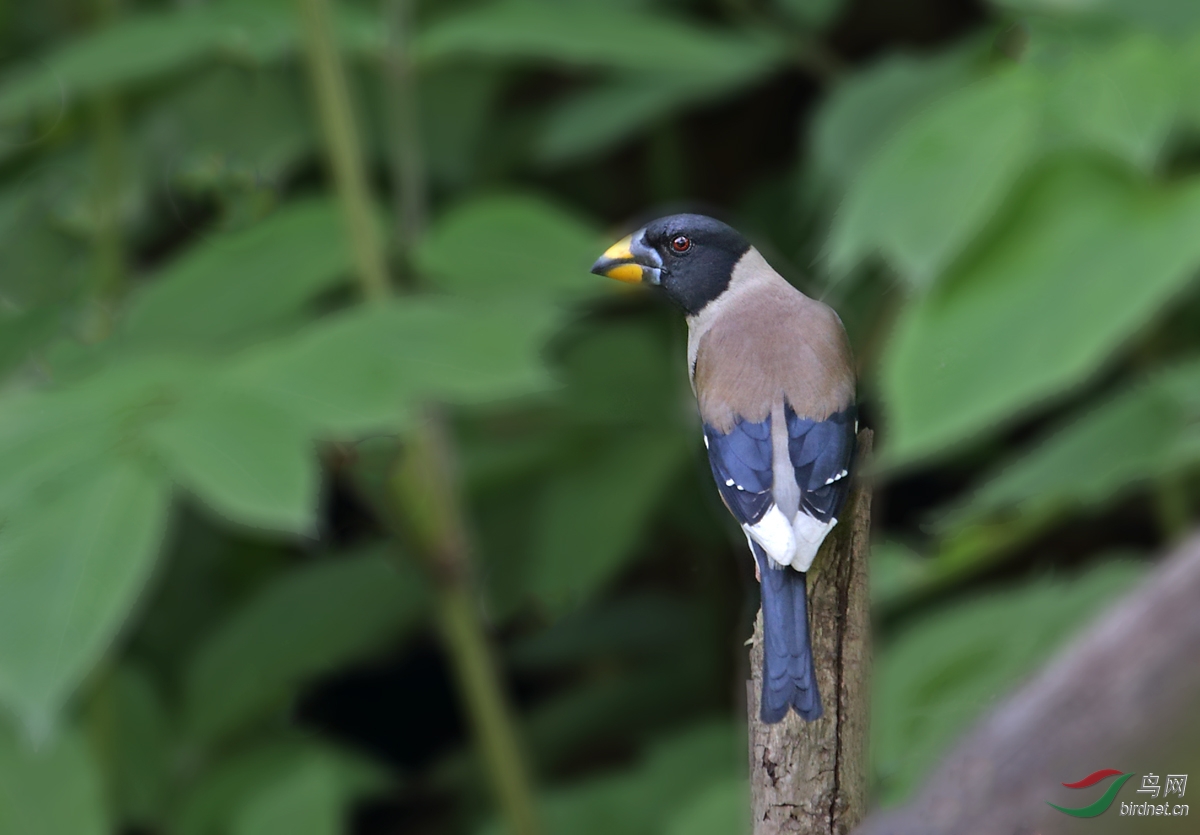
<point x="768" y="344"/>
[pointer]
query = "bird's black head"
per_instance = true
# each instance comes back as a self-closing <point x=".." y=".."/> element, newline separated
<point x="689" y="257"/>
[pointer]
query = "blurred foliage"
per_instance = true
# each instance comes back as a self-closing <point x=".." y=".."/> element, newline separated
<point x="208" y="626"/>
<point x="939" y="674"/>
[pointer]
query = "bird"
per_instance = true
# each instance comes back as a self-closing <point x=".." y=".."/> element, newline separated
<point x="775" y="384"/>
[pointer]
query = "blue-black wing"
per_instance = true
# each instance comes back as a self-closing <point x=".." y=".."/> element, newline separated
<point x="822" y="451"/>
<point x="741" y="465"/>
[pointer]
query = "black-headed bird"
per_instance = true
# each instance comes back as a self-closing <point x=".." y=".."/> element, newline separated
<point x="774" y="380"/>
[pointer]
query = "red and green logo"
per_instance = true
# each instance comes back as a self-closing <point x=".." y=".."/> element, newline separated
<point x="1106" y="800"/>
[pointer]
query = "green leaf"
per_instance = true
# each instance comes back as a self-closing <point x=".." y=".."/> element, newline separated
<point x="642" y="799"/>
<point x="584" y="34"/>
<point x="21" y="334"/>
<point x="233" y="287"/>
<point x="307" y="799"/>
<point x="810" y="13"/>
<point x="604" y="115"/>
<point x="1144" y="432"/>
<point x="639" y="625"/>
<point x="128" y="712"/>
<point x="1083" y="262"/>
<point x="307" y="622"/>
<point x="616" y="706"/>
<point x="360" y="371"/>
<point x="896" y="572"/>
<point x="73" y="563"/>
<point x="304" y="802"/>
<point x="625" y="373"/>
<point x="939" y="180"/>
<point x="1189" y="78"/>
<point x="50" y="439"/>
<point x="240" y="780"/>
<point x="719" y="809"/>
<point x="865" y="109"/>
<point x="457" y="104"/>
<point x="137" y="48"/>
<point x="141" y="48"/>
<point x="612" y="111"/>
<point x="41" y="266"/>
<point x="519" y="245"/>
<point x="53" y="789"/>
<point x="246" y="458"/>
<point x="1123" y="99"/>
<point x="945" y="670"/>
<point x="45" y="439"/>
<point x="592" y="515"/>
<point x="244" y="128"/>
<point x="634" y="663"/>
<point x="340" y="374"/>
<point x="1169" y="17"/>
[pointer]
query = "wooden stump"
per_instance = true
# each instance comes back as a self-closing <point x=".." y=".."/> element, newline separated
<point x="811" y="777"/>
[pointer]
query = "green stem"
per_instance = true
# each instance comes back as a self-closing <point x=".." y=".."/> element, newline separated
<point x="423" y="489"/>
<point x="108" y="248"/>
<point x="408" y="166"/>
<point x="491" y="716"/>
<point x="345" y="153"/>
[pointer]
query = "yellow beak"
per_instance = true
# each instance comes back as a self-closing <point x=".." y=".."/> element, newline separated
<point x="629" y="261"/>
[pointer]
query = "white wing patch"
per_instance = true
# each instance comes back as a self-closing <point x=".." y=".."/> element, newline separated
<point x="809" y="533"/>
<point x="774" y="535"/>
<point x="795" y="543"/>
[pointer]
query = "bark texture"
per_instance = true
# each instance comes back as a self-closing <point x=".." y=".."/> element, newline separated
<point x="1123" y="695"/>
<point x="811" y="777"/>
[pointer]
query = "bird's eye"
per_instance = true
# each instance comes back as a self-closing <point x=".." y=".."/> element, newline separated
<point x="682" y="243"/>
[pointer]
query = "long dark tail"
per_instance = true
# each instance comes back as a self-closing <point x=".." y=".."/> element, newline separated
<point x="788" y="674"/>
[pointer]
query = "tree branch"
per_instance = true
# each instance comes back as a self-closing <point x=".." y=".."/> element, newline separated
<point x="811" y="777"/>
